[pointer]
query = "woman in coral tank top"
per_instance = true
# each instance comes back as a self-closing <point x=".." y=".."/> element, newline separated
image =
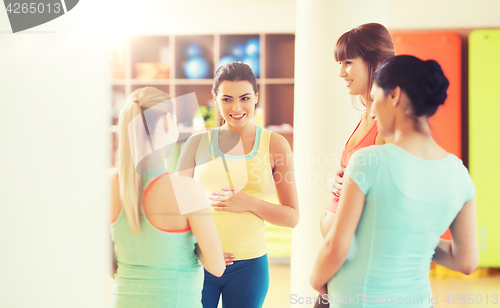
<point x="359" y="52"/>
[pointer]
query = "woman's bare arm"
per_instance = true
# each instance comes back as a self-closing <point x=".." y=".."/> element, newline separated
<point x="335" y="248"/>
<point x="461" y="253"/>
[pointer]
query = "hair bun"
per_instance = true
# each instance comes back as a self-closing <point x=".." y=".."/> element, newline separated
<point x="433" y="82"/>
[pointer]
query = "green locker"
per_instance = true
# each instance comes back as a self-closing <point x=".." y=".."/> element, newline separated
<point x="484" y="139"/>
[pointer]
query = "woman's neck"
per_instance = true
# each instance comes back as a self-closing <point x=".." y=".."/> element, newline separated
<point x="246" y="131"/>
<point x="414" y="131"/>
<point x="368" y="104"/>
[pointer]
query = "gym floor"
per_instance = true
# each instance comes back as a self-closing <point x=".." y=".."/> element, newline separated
<point x="483" y="288"/>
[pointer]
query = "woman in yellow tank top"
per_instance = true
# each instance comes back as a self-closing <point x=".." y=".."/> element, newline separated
<point x="235" y="163"/>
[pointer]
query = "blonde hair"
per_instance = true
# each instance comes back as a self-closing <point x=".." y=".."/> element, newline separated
<point x="129" y="180"/>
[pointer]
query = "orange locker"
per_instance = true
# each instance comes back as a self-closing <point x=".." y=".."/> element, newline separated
<point x="446" y="48"/>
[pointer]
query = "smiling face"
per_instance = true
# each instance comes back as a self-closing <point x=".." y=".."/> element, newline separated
<point x="384" y="110"/>
<point x="355" y="73"/>
<point x="236" y="101"/>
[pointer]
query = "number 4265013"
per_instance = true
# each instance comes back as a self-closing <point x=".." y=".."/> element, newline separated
<point x="33" y="8"/>
<point x="477" y="299"/>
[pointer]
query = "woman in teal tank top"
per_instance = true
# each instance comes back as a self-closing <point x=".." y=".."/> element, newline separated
<point x="159" y="251"/>
<point x="398" y="199"/>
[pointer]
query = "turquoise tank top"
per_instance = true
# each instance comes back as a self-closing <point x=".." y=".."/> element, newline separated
<point x="409" y="203"/>
<point x="155" y="268"/>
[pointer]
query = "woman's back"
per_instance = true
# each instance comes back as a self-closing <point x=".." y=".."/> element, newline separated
<point x="156" y="268"/>
<point x="409" y="203"/>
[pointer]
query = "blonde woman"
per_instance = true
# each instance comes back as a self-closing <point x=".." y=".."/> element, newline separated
<point x="158" y="250"/>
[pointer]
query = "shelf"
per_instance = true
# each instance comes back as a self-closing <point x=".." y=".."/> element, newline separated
<point x="119" y="99"/>
<point x="276" y="96"/>
<point x="185" y="81"/>
<point x="280" y="62"/>
<point x="163" y="87"/>
<point x="278" y="81"/>
<point x="206" y="42"/>
<point x="150" y="82"/>
<point x="180" y="81"/>
<point x="228" y="39"/>
<point x="149" y="49"/>
<point x="119" y="82"/>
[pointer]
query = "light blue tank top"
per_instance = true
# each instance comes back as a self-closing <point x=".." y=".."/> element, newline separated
<point x="155" y="268"/>
<point x="409" y="203"/>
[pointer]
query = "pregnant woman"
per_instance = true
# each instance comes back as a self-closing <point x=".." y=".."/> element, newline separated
<point x="359" y="52"/>
<point x="236" y="178"/>
<point x="398" y="199"/>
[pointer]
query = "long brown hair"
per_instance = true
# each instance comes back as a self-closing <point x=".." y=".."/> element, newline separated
<point x="372" y="42"/>
<point x="235" y="71"/>
<point x="130" y="181"/>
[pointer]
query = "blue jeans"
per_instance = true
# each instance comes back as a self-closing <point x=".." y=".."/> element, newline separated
<point x="244" y="284"/>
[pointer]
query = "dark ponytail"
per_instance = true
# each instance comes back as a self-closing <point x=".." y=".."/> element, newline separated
<point x="423" y="81"/>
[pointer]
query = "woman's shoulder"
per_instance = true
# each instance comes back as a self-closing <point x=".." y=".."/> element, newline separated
<point x="371" y="150"/>
<point x="175" y="180"/>
<point x="371" y="155"/>
<point x="193" y="143"/>
<point x="194" y="139"/>
<point x="277" y="142"/>
<point x="185" y="190"/>
<point x="459" y="165"/>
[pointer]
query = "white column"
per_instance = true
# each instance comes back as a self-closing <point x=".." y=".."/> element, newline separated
<point x="323" y="119"/>
<point x="54" y="150"/>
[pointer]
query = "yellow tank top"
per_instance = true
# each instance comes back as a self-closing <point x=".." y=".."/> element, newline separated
<point x="241" y="234"/>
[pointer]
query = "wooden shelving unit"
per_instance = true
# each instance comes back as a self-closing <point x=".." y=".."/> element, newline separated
<point x="276" y="80"/>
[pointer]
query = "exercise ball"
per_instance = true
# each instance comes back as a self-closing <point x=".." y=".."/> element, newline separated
<point x="254" y="64"/>
<point x="225" y="60"/>
<point x="237" y="50"/>
<point x="193" y="50"/>
<point x="252" y="47"/>
<point x="196" y="68"/>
